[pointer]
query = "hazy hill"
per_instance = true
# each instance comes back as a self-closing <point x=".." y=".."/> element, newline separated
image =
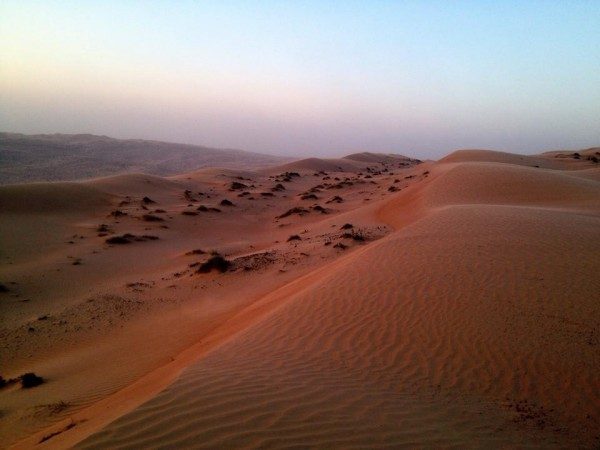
<point x="60" y="157"/>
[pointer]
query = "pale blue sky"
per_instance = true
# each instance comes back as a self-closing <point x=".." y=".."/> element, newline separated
<point x="303" y="78"/>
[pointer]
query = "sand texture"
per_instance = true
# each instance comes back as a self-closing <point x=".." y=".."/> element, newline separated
<point x="459" y="308"/>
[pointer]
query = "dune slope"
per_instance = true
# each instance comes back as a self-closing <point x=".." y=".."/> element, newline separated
<point x="475" y="324"/>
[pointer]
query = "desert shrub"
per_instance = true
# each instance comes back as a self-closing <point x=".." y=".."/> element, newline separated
<point x="336" y="199"/>
<point x="226" y="202"/>
<point x="103" y="228"/>
<point x="123" y="239"/>
<point x="347" y="226"/>
<point x="234" y="186"/>
<point x="3" y="288"/>
<point x="216" y="262"/>
<point x="152" y="218"/>
<point x="294" y="237"/>
<point x="295" y="210"/>
<point x="147" y="200"/>
<point x="30" y="379"/>
<point x="189" y="213"/>
<point x="309" y="197"/>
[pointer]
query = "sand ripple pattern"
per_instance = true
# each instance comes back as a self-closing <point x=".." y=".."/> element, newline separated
<point x="422" y="339"/>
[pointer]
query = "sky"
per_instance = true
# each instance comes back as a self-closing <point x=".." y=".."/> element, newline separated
<point x="303" y="78"/>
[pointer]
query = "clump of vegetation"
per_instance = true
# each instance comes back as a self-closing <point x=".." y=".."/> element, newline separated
<point x="123" y="239"/>
<point x="152" y="218"/>
<point x="320" y="209"/>
<point x="30" y="379"/>
<point x="226" y="202"/>
<point x="118" y="213"/>
<point x="147" y="200"/>
<point x="295" y="210"/>
<point x="294" y="237"/>
<point x="278" y="187"/>
<point x="189" y="213"/>
<point x="197" y="251"/>
<point x="341" y="246"/>
<point x="216" y="262"/>
<point x="103" y="228"/>
<point x="234" y="186"/>
<point x="336" y="199"/>
<point x="393" y="189"/>
<point x="128" y="238"/>
<point x="267" y="194"/>
<point x="203" y="208"/>
<point x="309" y="197"/>
<point x="347" y="226"/>
<point x="354" y="235"/>
<point x="3" y="288"/>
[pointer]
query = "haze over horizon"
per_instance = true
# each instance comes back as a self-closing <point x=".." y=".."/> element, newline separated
<point x="310" y="79"/>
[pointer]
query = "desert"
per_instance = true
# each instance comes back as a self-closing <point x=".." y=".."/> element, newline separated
<point x="370" y="300"/>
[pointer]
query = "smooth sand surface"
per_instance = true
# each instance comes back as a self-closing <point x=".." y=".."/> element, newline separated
<point x="467" y="317"/>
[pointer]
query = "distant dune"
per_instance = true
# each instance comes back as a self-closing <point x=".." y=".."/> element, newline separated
<point x="64" y="157"/>
<point x="369" y="301"/>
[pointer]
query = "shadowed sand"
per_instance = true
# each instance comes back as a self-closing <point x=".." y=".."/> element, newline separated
<point x="465" y="315"/>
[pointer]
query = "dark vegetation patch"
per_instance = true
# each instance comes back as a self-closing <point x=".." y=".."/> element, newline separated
<point x="347" y="226"/>
<point x="3" y="288"/>
<point x="255" y="261"/>
<point x="309" y="197"/>
<point x="393" y="189"/>
<point x="267" y="194"/>
<point x="354" y="235"/>
<point x="118" y="213"/>
<point x="147" y="200"/>
<point x="128" y="238"/>
<point x="226" y="202"/>
<point x="236" y="186"/>
<point x="294" y="237"/>
<point x="336" y="199"/>
<point x="203" y="208"/>
<point x="189" y="213"/>
<point x="197" y="251"/>
<point x="296" y="210"/>
<point x="30" y="379"/>
<point x="152" y="218"/>
<point x="341" y="246"/>
<point x="320" y="209"/>
<point x="216" y="262"/>
<point x="278" y="187"/>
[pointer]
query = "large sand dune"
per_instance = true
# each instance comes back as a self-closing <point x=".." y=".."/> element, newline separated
<point x="467" y="317"/>
<point x="61" y="157"/>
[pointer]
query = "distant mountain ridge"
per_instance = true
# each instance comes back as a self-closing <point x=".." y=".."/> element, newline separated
<point x="64" y="157"/>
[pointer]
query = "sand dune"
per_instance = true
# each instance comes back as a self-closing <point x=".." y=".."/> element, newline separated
<point x="61" y="157"/>
<point x="460" y="311"/>
<point x="350" y="163"/>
